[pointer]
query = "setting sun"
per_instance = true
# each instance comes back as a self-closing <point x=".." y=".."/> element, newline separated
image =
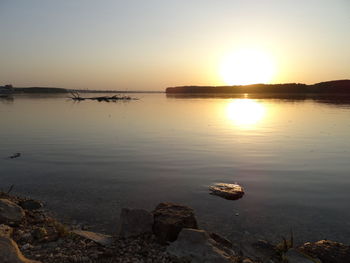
<point x="247" y="66"/>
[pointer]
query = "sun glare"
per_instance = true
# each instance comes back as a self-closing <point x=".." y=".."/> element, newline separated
<point x="245" y="113"/>
<point x="247" y="66"/>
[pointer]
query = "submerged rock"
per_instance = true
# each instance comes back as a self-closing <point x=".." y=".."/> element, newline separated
<point x="293" y="256"/>
<point x="10" y="212"/>
<point x="170" y="218"/>
<point x="227" y="191"/>
<point x="31" y="204"/>
<point x="135" y="222"/>
<point x="258" y="250"/>
<point x="197" y="247"/>
<point x="10" y="253"/>
<point x="327" y="251"/>
<point x="104" y="240"/>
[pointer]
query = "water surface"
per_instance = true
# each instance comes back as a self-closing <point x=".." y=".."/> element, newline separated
<point x="87" y="160"/>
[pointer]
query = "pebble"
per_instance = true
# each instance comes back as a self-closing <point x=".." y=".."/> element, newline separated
<point x="26" y="246"/>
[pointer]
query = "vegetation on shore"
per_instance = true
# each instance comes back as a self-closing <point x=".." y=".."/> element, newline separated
<point x="336" y="86"/>
<point x="40" y="90"/>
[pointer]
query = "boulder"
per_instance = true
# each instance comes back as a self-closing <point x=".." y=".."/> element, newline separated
<point x="258" y="250"/>
<point x="227" y="191"/>
<point x="135" y="222"/>
<point x="10" y="213"/>
<point x="31" y="204"/>
<point x="5" y="231"/>
<point x="170" y="218"/>
<point x="327" y="251"/>
<point x="104" y="240"/>
<point x="196" y="246"/>
<point x="10" y="253"/>
<point x="293" y="256"/>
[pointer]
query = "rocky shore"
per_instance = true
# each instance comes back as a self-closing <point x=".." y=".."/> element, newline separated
<point x="170" y="233"/>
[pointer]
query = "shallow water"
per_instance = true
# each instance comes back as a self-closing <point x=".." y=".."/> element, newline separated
<point x="87" y="160"/>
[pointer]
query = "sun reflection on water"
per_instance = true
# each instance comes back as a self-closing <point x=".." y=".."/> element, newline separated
<point x="245" y="113"/>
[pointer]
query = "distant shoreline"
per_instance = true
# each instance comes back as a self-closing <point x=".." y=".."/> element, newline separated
<point x="335" y="86"/>
<point x="55" y="90"/>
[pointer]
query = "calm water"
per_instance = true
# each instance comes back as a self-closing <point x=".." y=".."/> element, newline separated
<point x="87" y="160"/>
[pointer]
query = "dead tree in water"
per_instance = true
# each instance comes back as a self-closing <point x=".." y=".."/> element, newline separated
<point x="114" y="98"/>
<point x="76" y="96"/>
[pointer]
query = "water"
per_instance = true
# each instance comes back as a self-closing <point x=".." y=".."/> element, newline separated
<point x="87" y="160"/>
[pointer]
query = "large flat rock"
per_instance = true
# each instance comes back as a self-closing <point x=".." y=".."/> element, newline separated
<point x="104" y="240"/>
<point x="196" y="246"/>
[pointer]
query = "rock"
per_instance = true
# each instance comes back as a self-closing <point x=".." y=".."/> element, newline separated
<point x="227" y="191"/>
<point x="327" y="251"/>
<point x="170" y="218"/>
<point x="26" y="236"/>
<point x="9" y="252"/>
<point x="27" y="246"/>
<point x="221" y="240"/>
<point x="39" y="233"/>
<point x="135" y="222"/>
<point x="31" y="204"/>
<point x="197" y="247"/>
<point x="6" y="231"/>
<point x="260" y="250"/>
<point x="10" y="213"/>
<point x="104" y="240"/>
<point x="293" y="256"/>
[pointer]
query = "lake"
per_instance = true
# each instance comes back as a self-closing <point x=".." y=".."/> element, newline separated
<point x="88" y="160"/>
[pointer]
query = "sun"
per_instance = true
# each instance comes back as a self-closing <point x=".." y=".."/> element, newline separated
<point x="247" y="66"/>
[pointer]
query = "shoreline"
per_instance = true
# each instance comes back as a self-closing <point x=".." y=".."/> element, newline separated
<point x="40" y="236"/>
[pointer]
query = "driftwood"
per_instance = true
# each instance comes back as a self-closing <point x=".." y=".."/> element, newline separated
<point x="76" y="96"/>
<point x="15" y="155"/>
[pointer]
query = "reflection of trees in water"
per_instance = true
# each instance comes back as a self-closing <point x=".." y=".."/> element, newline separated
<point x="8" y="99"/>
<point x="336" y="99"/>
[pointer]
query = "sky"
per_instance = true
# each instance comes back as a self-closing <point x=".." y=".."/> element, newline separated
<point x="154" y="44"/>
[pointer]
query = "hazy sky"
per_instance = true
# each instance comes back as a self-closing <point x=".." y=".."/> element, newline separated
<point x="152" y="44"/>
